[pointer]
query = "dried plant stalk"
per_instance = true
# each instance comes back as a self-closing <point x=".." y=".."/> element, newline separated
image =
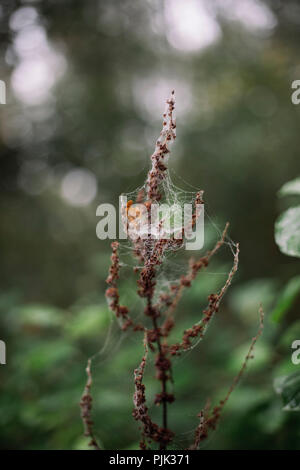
<point x="86" y="409"/>
<point x="151" y="254"/>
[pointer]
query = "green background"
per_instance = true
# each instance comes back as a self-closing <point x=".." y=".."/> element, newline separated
<point x="86" y="84"/>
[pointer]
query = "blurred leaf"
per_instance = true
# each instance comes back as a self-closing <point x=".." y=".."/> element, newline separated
<point x="286" y="299"/>
<point x="205" y="284"/>
<point x="245" y="299"/>
<point x="262" y="355"/>
<point x="287" y="232"/>
<point x="246" y="398"/>
<point x="113" y="399"/>
<point x="288" y="387"/>
<point x="133" y="446"/>
<point x="46" y="354"/>
<point x="42" y="316"/>
<point x="290" y="188"/>
<point x="292" y="332"/>
<point x="88" y="322"/>
<point x="82" y="443"/>
<point x="271" y="419"/>
<point x="284" y="367"/>
<point x="32" y="415"/>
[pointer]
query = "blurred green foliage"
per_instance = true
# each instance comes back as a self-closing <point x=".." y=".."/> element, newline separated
<point x="287" y="236"/>
<point x="287" y="227"/>
<point x="85" y="88"/>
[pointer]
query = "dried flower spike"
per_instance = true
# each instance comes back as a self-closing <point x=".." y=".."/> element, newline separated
<point x="159" y="317"/>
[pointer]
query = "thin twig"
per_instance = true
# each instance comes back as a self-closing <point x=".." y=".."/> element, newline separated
<point x="209" y="421"/>
<point x="86" y="409"/>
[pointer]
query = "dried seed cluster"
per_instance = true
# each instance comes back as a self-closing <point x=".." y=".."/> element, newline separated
<point x="112" y="292"/>
<point x="150" y="430"/>
<point x="159" y="157"/>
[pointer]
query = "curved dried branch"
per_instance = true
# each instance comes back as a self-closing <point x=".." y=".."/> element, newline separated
<point x="199" y="329"/>
<point x="209" y="421"/>
<point x="86" y="409"/>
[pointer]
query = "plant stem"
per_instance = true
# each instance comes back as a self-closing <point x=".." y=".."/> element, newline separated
<point x="164" y="385"/>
